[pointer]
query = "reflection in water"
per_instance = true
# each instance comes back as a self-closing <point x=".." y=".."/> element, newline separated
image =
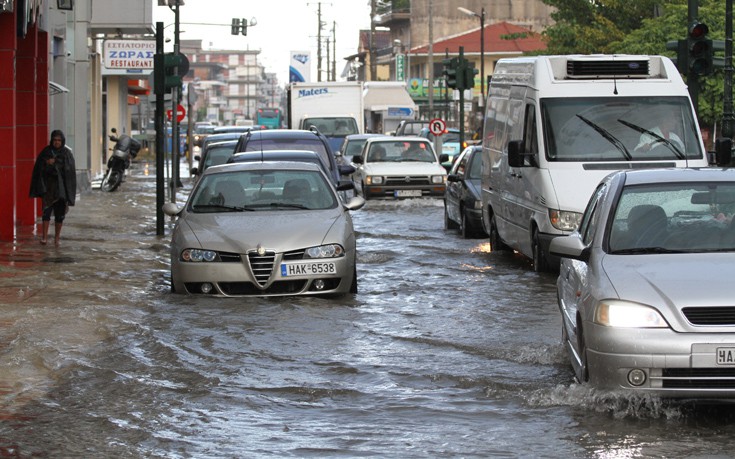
<point x="449" y="350"/>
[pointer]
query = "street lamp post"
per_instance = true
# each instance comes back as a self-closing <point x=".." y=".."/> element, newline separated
<point x="481" y="16"/>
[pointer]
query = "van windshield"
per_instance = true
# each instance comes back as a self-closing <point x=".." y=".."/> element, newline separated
<point x="619" y="129"/>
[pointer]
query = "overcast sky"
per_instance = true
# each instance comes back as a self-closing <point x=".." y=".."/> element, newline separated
<point x="282" y="26"/>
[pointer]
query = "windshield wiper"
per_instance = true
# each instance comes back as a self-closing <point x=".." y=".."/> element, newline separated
<point x="220" y="206"/>
<point x="671" y="146"/>
<point x="283" y="204"/>
<point x="607" y="136"/>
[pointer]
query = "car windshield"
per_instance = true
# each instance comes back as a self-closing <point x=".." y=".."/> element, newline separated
<point x="237" y="191"/>
<point x="619" y="129"/>
<point x="308" y="144"/>
<point x="354" y="147"/>
<point x="206" y="129"/>
<point x="678" y="217"/>
<point x="400" y="151"/>
<point x="217" y="155"/>
<point x="333" y="127"/>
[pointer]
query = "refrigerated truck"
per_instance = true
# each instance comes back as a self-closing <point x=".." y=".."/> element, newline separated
<point x="335" y="108"/>
<point x="556" y="125"/>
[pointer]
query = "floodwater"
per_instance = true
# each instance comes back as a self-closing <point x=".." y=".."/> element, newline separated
<point x="447" y="350"/>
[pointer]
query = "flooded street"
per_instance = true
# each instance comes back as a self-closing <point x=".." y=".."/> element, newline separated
<point x="447" y="350"/>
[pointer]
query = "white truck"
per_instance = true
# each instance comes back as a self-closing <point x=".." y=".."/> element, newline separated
<point x="334" y="107"/>
<point x="556" y="125"/>
<point x="387" y="103"/>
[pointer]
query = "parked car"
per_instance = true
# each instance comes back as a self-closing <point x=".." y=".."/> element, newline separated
<point x="352" y="146"/>
<point x="280" y="155"/>
<point x="645" y="288"/>
<point x="450" y="144"/>
<point x="294" y="139"/>
<point x="399" y="167"/>
<point x="264" y="229"/>
<point x="411" y="127"/>
<point x="201" y="131"/>
<point x="213" y="154"/>
<point x="221" y="137"/>
<point x="463" y="198"/>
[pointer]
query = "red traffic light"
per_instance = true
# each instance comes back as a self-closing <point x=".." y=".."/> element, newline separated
<point x="698" y="30"/>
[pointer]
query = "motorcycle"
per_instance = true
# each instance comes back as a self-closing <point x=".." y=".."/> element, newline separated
<point x="125" y="149"/>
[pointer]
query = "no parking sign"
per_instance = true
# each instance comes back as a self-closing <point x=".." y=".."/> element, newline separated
<point x="437" y="126"/>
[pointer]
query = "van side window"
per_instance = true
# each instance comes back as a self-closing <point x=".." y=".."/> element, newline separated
<point x="530" y="139"/>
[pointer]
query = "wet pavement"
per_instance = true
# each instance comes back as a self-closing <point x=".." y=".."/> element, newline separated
<point x="448" y="350"/>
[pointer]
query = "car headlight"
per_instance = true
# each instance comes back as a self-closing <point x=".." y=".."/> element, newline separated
<point x="374" y="180"/>
<point x="615" y="313"/>
<point x="197" y="255"/>
<point x="325" y="251"/>
<point x="438" y="179"/>
<point x="564" y="220"/>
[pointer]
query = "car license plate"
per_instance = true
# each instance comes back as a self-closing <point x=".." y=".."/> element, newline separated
<point x="726" y="356"/>
<point x="307" y="269"/>
<point x="408" y="193"/>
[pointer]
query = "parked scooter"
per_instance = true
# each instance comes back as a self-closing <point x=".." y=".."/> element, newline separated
<point x="125" y="149"/>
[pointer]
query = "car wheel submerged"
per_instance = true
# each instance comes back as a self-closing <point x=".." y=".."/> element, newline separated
<point x="540" y="263"/>
<point x="449" y="224"/>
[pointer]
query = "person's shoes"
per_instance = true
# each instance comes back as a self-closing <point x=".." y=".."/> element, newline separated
<point x="43" y="241"/>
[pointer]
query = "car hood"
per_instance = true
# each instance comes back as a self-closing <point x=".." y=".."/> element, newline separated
<point x="238" y="232"/>
<point x="403" y="168"/>
<point x="673" y="280"/>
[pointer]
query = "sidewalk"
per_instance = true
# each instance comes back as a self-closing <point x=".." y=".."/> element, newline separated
<point x="97" y="238"/>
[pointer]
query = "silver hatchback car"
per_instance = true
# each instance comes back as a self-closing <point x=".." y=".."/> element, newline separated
<point x="645" y="285"/>
<point x="264" y="229"/>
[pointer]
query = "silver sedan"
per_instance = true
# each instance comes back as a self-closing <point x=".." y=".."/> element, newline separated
<point x="645" y="289"/>
<point x="264" y="229"/>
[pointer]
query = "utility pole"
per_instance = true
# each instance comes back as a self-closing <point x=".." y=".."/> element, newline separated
<point x="728" y="118"/>
<point x="371" y="40"/>
<point x="334" y="50"/>
<point x="319" y="43"/>
<point x="160" y="141"/>
<point x="175" y="94"/>
<point x="431" y="59"/>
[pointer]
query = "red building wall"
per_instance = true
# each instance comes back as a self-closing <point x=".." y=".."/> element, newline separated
<point x="23" y="120"/>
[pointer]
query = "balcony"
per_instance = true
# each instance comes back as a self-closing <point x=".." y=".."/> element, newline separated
<point x="394" y="12"/>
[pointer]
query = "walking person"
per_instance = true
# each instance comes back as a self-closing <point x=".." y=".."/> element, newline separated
<point x="54" y="180"/>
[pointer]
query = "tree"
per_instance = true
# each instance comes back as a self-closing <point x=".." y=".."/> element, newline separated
<point x="591" y="26"/>
<point x="637" y="27"/>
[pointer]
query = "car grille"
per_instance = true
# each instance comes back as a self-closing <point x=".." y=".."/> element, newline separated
<point x="248" y="288"/>
<point x="698" y="378"/>
<point x="411" y="180"/>
<point x="295" y="255"/>
<point x="227" y="257"/>
<point x="262" y="265"/>
<point x="710" y="315"/>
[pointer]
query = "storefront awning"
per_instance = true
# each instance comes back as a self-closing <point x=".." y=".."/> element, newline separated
<point x="55" y="88"/>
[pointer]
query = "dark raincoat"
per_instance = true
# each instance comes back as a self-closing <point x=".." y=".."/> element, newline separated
<point x="56" y="181"/>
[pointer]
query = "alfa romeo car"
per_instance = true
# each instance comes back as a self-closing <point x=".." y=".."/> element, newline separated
<point x="264" y="229"/>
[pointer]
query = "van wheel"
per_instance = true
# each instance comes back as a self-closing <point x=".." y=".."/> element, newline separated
<point x="496" y="244"/>
<point x="449" y="224"/>
<point x="540" y="264"/>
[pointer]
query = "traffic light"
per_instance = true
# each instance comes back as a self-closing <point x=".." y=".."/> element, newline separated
<point x="450" y="72"/>
<point x="469" y="77"/>
<point x="239" y="26"/>
<point x="682" y="54"/>
<point x="165" y="78"/>
<point x="700" y="56"/>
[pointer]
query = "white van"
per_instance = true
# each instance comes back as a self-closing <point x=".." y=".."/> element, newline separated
<point x="556" y="125"/>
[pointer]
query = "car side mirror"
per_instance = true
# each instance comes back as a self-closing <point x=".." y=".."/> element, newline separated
<point x="453" y="178"/>
<point x="358" y="159"/>
<point x="443" y="158"/>
<point x="346" y="169"/>
<point x="171" y="209"/>
<point x="570" y="246"/>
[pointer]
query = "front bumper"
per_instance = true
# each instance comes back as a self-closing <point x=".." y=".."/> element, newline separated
<point x="389" y="191"/>
<point x="678" y="365"/>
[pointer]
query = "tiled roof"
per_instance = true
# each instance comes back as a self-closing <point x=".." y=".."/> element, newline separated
<point x="500" y="37"/>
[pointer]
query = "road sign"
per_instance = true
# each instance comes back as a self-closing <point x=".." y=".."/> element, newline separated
<point x="437" y="126"/>
<point x="180" y="113"/>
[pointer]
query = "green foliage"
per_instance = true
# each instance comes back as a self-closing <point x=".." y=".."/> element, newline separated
<point x="630" y="27"/>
